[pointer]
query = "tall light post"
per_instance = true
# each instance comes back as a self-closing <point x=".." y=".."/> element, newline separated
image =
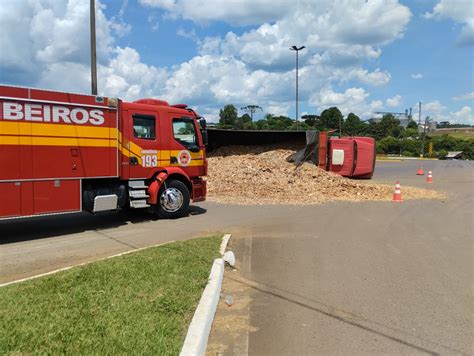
<point x="297" y="49"/>
<point x="427" y="121"/>
<point x="419" y="113"/>
<point x="93" y="49"/>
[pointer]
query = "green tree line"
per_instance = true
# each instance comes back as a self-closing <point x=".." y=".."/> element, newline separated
<point x="391" y="137"/>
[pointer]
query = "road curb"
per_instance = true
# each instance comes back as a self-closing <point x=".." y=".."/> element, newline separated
<point x="200" y="327"/>
<point x="225" y="241"/>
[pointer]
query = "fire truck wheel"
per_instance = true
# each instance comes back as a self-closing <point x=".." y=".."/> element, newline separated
<point x="173" y="201"/>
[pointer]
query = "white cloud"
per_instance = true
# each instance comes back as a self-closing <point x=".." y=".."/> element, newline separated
<point x="461" y="11"/>
<point x="164" y="4"/>
<point x="255" y="66"/>
<point x="417" y="76"/>
<point x="467" y="96"/>
<point x="351" y="100"/>
<point x="434" y="107"/>
<point x="439" y="112"/>
<point x="464" y="116"/>
<point x="126" y="68"/>
<point x="280" y="109"/>
<point x="209" y="79"/>
<point x="117" y="22"/>
<point x="153" y="21"/>
<point x="242" y="12"/>
<point x="53" y="51"/>
<point x="340" y="34"/>
<point x="394" y="102"/>
<point x="372" y="78"/>
<point x="188" y="34"/>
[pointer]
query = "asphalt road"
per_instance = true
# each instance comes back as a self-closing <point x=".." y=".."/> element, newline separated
<point x="339" y="278"/>
<point x="371" y="278"/>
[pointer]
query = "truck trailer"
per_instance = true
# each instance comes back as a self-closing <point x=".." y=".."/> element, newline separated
<point x="348" y="156"/>
<point x="64" y="153"/>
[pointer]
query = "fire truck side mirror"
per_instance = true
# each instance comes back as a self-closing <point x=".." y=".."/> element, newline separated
<point x="204" y="137"/>
<point x="203" y="123"/>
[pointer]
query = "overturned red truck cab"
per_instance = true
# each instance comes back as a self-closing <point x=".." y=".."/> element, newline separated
<point x="63" y="152"/>
<point x="352" y="157"/>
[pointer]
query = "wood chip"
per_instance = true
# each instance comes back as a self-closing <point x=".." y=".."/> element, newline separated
<point x="261" y="175"/>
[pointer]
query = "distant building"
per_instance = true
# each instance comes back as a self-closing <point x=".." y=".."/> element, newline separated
<point x="430" y="127"/>
<point x="404" y="118"/>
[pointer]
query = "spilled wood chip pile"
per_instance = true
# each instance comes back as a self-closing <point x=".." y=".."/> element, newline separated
<point x="261" y="175"/>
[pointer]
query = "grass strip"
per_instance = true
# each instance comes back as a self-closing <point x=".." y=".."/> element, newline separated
<point x="140" y="303"/>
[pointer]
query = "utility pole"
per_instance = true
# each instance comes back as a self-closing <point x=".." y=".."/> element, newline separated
<point x="419" y="113"/>
<point x="427" y="120"/>
<point x="297" y="49"/>
<point x="93" y="49"/>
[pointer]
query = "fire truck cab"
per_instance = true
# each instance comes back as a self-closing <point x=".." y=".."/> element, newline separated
<point x="63" y="152"/>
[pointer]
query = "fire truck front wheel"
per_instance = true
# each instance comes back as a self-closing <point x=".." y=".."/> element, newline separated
<point x="173" y="200"/>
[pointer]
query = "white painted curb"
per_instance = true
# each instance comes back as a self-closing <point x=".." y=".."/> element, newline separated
<point x="195" y="343"/>
<point x="225" y="241"/>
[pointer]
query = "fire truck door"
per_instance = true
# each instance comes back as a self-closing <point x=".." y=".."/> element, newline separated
<point x="184" y="144"/>
<point x="143" y="144"/>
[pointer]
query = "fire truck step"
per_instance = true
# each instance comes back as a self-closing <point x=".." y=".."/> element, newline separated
<point x="138" y="194"/>
<point x="105" y="202"/>
<point x="138" y="204"/>
<point x="137" y="184"/>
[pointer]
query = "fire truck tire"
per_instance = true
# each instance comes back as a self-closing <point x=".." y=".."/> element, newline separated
<point x="173" y="200"/>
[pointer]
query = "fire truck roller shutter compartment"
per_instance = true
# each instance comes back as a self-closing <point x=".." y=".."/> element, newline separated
<point x="56" y="196"/>
<point x="48" y="142"/>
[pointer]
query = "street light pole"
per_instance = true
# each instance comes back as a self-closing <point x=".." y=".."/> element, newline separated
<point x="419" y="113"/>
<point x="297" y="49"/>
<point x="427" y="120"/>
<point x="93" y="49"/>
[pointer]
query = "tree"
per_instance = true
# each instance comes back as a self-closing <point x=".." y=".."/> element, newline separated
<point x="228" y="117"/>
<point x="310" y="120"/>
<point x="261" y="125"/>
<point x="412" y="125"/>
<point x="330" y="119"/>
<point x="278" y="122"/>
<point x="244" y="122"/>
<point x="410" y="133"/>
<point x="389" y="145"/>
<point x="251" y="109"/>
<point x="388" y="126"/>
<point x="353" y="125"/>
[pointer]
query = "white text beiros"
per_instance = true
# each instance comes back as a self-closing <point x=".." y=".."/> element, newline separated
<point x="51" y="113"/>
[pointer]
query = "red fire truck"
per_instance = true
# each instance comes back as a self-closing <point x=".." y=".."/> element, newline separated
<point x="63" y="152"/>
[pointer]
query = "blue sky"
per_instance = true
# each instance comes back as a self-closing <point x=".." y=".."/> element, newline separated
<point x="362" y="56"/>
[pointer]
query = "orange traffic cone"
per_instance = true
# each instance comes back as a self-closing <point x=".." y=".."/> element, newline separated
<point x="397" y="194"/>
<point x="429" y="178"/>
<point x="420" y="171"/>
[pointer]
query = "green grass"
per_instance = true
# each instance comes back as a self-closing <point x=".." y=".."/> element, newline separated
<point x="461" y="135"/>
<point x="139" y="303"/>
